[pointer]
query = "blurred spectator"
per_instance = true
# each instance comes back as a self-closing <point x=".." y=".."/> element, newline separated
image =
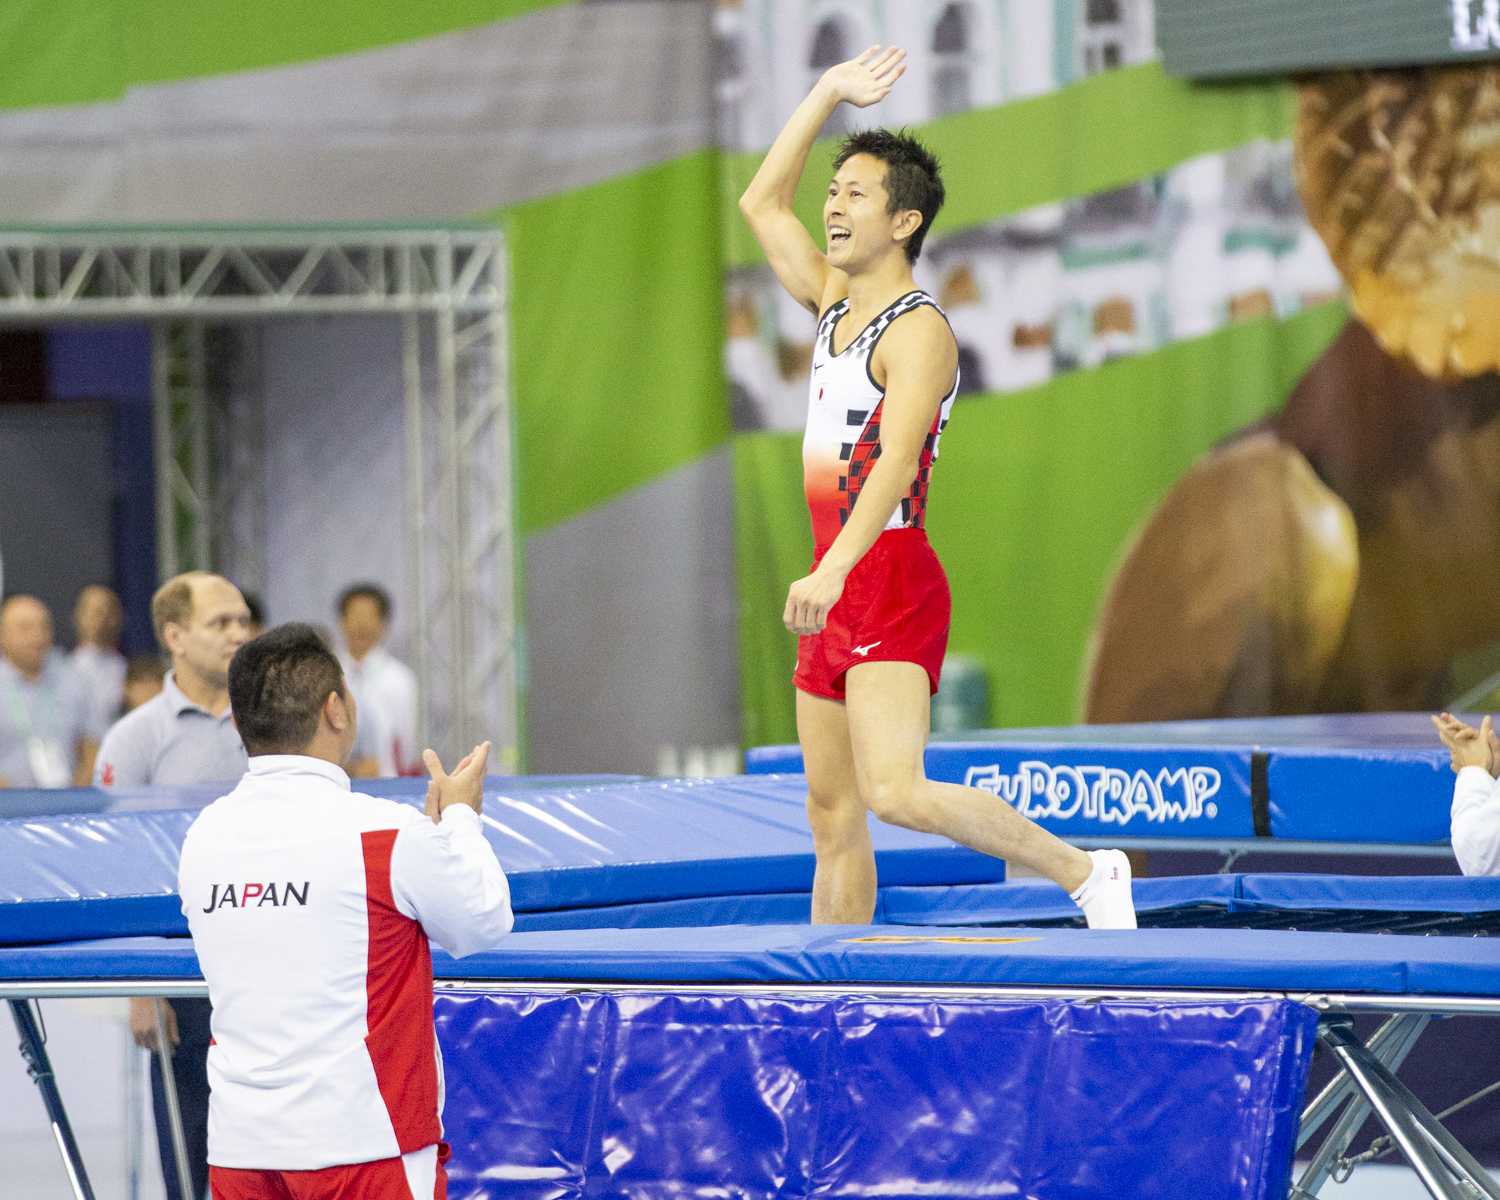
<point x="385" y="690"/>
<point x="97" y="618"/>
<point x="257" y="614"/>
<point x="144" y="677"/>
<point x="46" y="738"/>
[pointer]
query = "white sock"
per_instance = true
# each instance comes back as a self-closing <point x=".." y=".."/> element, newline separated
<point x="1105" y="895"/>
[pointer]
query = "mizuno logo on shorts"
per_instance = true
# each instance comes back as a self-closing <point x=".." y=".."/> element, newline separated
<point x="865" y="650"/>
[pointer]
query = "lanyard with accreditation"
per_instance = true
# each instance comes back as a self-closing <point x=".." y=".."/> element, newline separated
<point x="48" y="758"/>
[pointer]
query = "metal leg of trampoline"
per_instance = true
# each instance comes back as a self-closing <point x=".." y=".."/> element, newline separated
<point x="39" y="1067"/>
<point x="174" y="1111"/>
<point x="1447" y="1170"/>
<point x="1390" y="1044"/>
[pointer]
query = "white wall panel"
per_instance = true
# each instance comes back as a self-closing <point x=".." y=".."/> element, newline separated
<point x="335" y="480"/>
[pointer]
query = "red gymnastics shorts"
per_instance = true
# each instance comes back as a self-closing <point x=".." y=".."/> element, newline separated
<point x="895" y="608"/>
<point x="410" y="1177"/>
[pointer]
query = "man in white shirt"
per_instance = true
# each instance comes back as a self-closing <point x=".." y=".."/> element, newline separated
<point x="384" y="687"/>
<point x="1476" y="795"/>
<point x="310" y="908"/>
<point x="47" y="738"/>
<point x="97" y="617"/>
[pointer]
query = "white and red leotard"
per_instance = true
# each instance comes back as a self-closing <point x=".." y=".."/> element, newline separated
<point x="895" y="604"/>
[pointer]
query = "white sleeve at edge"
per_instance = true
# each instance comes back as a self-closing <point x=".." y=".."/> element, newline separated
<point x="447" y="877"/>
<point x="1476" y="822"/>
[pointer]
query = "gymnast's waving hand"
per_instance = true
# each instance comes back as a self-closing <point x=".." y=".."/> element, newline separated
<point x="802" y="268"/>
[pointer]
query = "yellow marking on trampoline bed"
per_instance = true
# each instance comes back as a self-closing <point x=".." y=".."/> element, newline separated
<point x="957" y="941"/>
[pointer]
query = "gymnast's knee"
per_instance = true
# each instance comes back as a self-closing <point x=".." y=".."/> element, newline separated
<point x="834" y="814"/>
<point x="898" y="801"/>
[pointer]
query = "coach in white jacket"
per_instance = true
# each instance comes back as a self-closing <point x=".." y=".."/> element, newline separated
<point x="1476" y="795"/>
<point x="310" y="908"/>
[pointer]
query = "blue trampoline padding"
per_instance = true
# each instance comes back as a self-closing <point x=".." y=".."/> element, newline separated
<point x="1325" y="731"/>
<point x="54" y="802"/>
<point x="1042" y="900"/>
<point x="96" y="875"/>
<point x="107" y="958"/>
<point x="1037" y="900"/>
<point x="1214" y="959"/>
<point x="1341" y="795"/>
<point x="774" y="908"/>
<point x="1369" y="893"/>
<point x="1240" y="959"/>
<point x="1093" y="789"/>
<point x="663" y="1095"/>
<point x="1363" y="777"/>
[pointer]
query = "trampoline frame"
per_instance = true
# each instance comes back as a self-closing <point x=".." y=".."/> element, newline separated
<point x="1366" y="1081"/>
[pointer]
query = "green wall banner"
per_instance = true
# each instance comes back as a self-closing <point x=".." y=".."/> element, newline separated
<point x="77" y="51"/>
<point x="616" y="335"/>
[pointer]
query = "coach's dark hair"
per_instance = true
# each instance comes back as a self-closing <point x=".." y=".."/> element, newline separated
<point x="278" y="683"/>
<point x="912" y="179"/>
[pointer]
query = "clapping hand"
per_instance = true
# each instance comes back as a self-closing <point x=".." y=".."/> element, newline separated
<point x="464" y="786"/>
<point x="865" y="80"/>
<point x="1469" y="747"/>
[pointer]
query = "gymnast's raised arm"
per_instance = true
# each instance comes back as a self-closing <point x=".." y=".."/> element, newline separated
<point x="767" y="203"/>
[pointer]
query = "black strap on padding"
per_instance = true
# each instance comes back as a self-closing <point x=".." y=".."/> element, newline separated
<point x="1260" y="793"/>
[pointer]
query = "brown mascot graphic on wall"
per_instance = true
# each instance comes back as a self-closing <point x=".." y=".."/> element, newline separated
<point x="1343" y="555"/>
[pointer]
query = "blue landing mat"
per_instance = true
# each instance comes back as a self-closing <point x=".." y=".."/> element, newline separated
<point x="1031" y="900"/>
<point x="107" y="874"/>
<point x="51" y="802"/>
<point x="1041" y="900"/>
<point x="659" y="1094"/>
<point x="1233" y="960"/>
<point x="1368" y="777"/>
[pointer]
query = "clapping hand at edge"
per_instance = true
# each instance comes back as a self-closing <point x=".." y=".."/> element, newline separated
<point x="464" y="786"/>
<point x="1469" y="747"/>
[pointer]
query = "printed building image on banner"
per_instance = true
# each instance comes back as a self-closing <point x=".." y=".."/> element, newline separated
<point x="961" y="54"/>
<point x="1071" y="285"/>
<point x="1344" y="554"/>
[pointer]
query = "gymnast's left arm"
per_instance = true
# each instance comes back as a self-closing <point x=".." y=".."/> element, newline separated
<point x="919" y="359"/>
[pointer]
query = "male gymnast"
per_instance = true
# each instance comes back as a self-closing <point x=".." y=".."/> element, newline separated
<point x="873" y="614"/>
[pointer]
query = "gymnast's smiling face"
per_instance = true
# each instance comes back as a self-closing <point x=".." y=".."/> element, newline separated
<point x="862" y="232"/>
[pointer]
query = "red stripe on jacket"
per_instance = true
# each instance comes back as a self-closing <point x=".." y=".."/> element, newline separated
<point x="398" y="993"/>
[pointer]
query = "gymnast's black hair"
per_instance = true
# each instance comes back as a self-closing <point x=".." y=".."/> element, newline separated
<point x="278" y="683"/>
<point x="912" y="178"/>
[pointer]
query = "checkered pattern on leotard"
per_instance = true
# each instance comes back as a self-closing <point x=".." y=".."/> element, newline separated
<point x="842" y="440"/>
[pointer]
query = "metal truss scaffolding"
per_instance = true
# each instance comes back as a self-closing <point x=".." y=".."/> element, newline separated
<point x="196" y="288"/>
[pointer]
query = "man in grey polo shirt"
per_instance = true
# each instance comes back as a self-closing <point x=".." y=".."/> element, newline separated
<point x="185" y="735"/>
